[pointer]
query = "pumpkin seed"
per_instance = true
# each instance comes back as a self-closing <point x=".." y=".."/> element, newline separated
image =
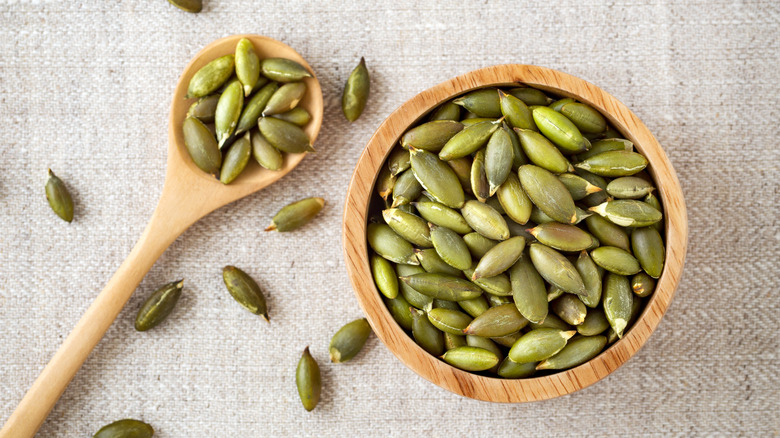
<point x="528" y="290"/>
<point x="510" y="369"/>
<point x="595" y="323"/>
<point x="201" y="146"/>
<point x="349" y="340"/>
<point x="570" y="309"/>
<point x="653" y="201"/>
<point x="499" y="258"/>
<point x="399" y="309"/>
<point x="518" y="157"/>
<point x="584" y="117"/>
<point x="453" y="341"/>
<point x="539" y="344"/>
<point x="236" y="160"/>
<point x="482" y="102"/>
<point x="616" y="260"/>
<point x="462" y="168"/>
<point x="485" y="220"/>
<point x="59" y="197"/>
<point x="478" y="244"/>
<point x="648" y="247"/>
<point x="211" y="76"/>
<point x="398" y="161"/>
<point x="563" y="237"/>
<point x="285" y="98"/>
<point x="385" y="242"/>
<point x="284" y="136"/>
<point x="548" y="193"/>
<point x="514" y="200"/>
<point x="614" y="163"/>
<point x="431" y="262"/>
<point x="448" y="320"/>
<point x="475" y="306"/>
<point x="629" y="187"/>
<point x="530" y="96"/>
<point x="308" y="380"/>
<point x="642" y="284"/>
<point x="247" y="65"/>
<point x="578" y="186"/>
<point x="408" y="226"/>
<point x="617" y="302"/>
<point x="508" y="340"/>
<point x="516" y="111"/>
<point x="416" y="299"/>
<point x="158" y="306"/>
<point x="437" y="178"/>
<point x="425" y="334"/>
<point x="591" y="277"/>
<point x="558" y="104"/>
<point x="431" y="136"/>
<point x="283" y="70"/>
<point x="297" y="116"/>
<point x="229" y="106"/>
<point x="541" y="152"/>
<point x="606" y="145"/>
<point x="497" y="285"/>
<point x="405" y="189"/>
<point x="551" y="321"/>
<point x="479" y="183"/>
<point x="385" y="183"/>
<point x="265" y="154"/>
<point x="468" y="141"/>
<point x="628" y="213"/>
<point x="443" y="216"/>
<point x="245" y="290"/>
<point x="384" y="276"/>
<point x="450" y="247"/>
<point x="471" y="358"/>
<point x="496" y="322"/>
<point x="129" y="428"/>
<point x="498" y="159"/>
<point x="556" y="269"/>
<point x="204" y="108"/>
<point x="443" y="287"/>
<point x="607" y="233"/>
<point x="297" y="214"/>
<point x="553" y="292"/>
<point x="254" y="107"/>
<point x="560" y="130"/>
<point x="446" y="111"/>
<point x="485" y="343"/>
<point x="356" y="92"/>
<point x="576" y="352"/>
<point x="444" y="304"/>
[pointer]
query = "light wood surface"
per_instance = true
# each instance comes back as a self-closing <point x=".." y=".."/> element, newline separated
<point x="188" y="195"/>
<point x="496" y="389"/>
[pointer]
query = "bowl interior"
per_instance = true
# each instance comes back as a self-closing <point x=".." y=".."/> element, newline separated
<point x="483" y="387"/>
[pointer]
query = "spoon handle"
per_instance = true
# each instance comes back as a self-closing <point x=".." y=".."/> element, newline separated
<point x="161" y="231"/>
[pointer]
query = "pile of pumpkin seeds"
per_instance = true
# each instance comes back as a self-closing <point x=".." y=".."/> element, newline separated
<point x="513" y="233"/>
<point x="246" y="107"/>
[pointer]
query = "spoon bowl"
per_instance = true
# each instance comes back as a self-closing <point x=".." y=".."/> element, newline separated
<point x="188" y="195"/>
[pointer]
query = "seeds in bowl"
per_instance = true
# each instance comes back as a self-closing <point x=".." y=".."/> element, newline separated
<point x="524" y="233"/>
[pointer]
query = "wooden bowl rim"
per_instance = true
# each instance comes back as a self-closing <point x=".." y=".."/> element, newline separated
<point x="489" y="388"/>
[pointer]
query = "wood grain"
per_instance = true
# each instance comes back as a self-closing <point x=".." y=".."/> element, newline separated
<point x="188" y="195"/>
<point x="495" y="389"/>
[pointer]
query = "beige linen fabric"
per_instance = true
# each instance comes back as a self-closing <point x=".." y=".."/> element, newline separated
<point x="85" y="88"/>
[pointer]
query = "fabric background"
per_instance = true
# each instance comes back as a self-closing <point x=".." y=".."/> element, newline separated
<point x="85" y="88"/>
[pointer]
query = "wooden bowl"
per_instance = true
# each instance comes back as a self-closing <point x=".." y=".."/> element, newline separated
<point x="488" y="388"/>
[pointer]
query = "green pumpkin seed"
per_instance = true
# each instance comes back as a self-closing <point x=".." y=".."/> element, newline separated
<point x="384" y="276"/>
<point x="236" y="159"/>
<point x="648" y="247"/>
<point x="399" y="161"/>
<point x="563" y="237"/>
<point x="265" y="154"/>
<point x="516" y="111"/>
<point x="541" y="152"/>
<point x="462" y="168"/>
<point x="297" y="116"/>
<point x="446" y="111"/>
<point x="528" y="290"/>
<point x="518" y="157"/>
<point x="349" y="340"/>
<point x="450" y="247"/>
<point x="617" y="302"/>
<point x="570" y="309"/>
<point x="416" y="299"/>
<point x="59" y="197"/>
<point x="551" y="321"/>
<point x="399" y="309"/>
<point x="471" y="358"/>
<point x="437" y="178"/>
<point x="247" y="65"/>
<point x="628" y="213"/>
<point x="425" y="334"/>
<point x="245" y="290"/>
<point x="408" y="226"/>
<point x="498" y="159"/>
<point x="556" y="269"/>
<point x="431" y="262"/>
<point x="553" y="292"/>
<point x="443" y="216"/>
<point x="616" y="260"/>
<point x="606" y="145"/>
<point x="308" y="380"/>
<point x="584" y="117"/>
<point x="204" y="109"/>
<point x="508" y="340"/>
<point x="479" y="183"/>
<point x="560" y="130"/>
<point x="580" y="215"/>
<point x="636" y="306"/>
<point x="356" y="92"/>
<point x="231" y="101"/>
<point x="614" y="163"/>
<point x="607" y="233"/>
<point x="497" y="321"/>
<point x="539" y="344"/>
<point x="578" y="186"/>
<point x="483" y="102"/>
<point x="469" y="140"/>
<point x="591" y="277"/>
<point x="497" y="285"/>
<point x="453" y="341"/>
<point x="514" y="200"/>
<point x="129" y="428"/>
<point x="629" y="187"/>
<point x="443" y="287"/>
<point x="201" y="146"/>
<point x="594" y="324"/>
<point x="475" y="306"/>
<point x="539" y="217"/>
<point x="530" y="96"/>
<point x="449" y="321"/>
<point x="158" y="306"/>
<point x="210" y="77"/>
<point x="444" y="304"/>
<point x="558" y="104"/>
<point x="254" y="107"/>
<point x="499" y="258"/>
<point x="485" y="220"/>
<point x="284" y="136"/>
<point x="431" y="136"/>
<point x="283" y="70"/>
<point x="297" y="214"/>
<point x="285" y="98"/>
<point x="576" y="352"/>
<point x="406" y="188"/>
<point x="478" y="244"/>
<point x="653" y="201"/>
<point x="385" y="242"/>
<point x="484" y="343"/>
<point x="385" y="183"/>
<point x="642" y="284"/>
<point x="510" y="369"/>
<point x="548" y="193"/>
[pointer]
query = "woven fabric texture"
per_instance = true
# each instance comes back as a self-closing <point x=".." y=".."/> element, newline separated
<point x="85" y="88"/>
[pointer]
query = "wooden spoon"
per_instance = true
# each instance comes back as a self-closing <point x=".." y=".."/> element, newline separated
<point x="188" y="195"/>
